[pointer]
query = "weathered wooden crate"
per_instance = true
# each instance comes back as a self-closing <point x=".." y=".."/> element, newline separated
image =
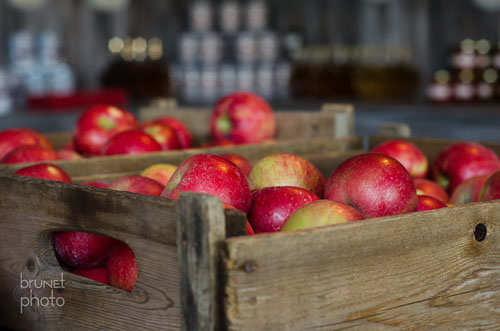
<point x="32" y="209"/>
<point x="333" y="120"/>
<point x="435" y="269"/>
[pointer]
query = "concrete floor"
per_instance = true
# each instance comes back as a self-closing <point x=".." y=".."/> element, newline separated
<point x="470" y="122"/>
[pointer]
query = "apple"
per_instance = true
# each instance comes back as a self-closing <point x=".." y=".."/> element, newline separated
<point x="409" y="155"/>
<point x="183" y="134"/>
<point x="426" y="202"/>
<point x="29" y="153"/>
<point x="271" y="206"/>
<point x="44" y="171"/>
<point x="242" y="117"/>
<point x="97" y="184"/>
<point x="321" y="213"/>
<point x="122" y="267"/>
<point x="66" y="154"/>
<point x="287" y="170"/>
<point x="242" y="163"/>
<point x="211" y="174"/>
<point x="137" y="184"/>
<point x="163" y="135"/>
<point x="468" y="190"/>
<point x="374" y="184"/>
<point x="98" y="274"/>
<point x="81" y="249"/>
<point x="13" y="138"/>
<point x="433" y="189"/>
<point x="131" y="142"/>
<point x="98" y="124"/>
<point x="249" y="229"/>
<point x="461" y="161"/>
<point x="491" y="188"/>
<point x="161" y="172"/>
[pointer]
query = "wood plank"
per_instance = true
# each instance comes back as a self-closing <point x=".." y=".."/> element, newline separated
<point x="200" y="233"/>
<point x="253" y="152"/>
<point x="32" y="209"/>
<point x="416" y="271"/>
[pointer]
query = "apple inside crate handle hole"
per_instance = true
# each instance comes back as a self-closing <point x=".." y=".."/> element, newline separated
<point x="98" y="257"/>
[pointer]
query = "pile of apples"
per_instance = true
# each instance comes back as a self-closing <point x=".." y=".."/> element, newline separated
<point x="284" y="192"/>
<point x="237" y="118"/>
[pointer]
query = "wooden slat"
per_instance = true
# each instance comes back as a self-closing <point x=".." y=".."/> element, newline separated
<point x="431" y="146"/>
<point x="200" y="234"/>
<point x="416" y="271"/>
<point x="253" y="152"/>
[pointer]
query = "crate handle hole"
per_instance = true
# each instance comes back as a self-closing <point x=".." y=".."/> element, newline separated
<point x="98" y="257"/>
<point x="480" y="232"/>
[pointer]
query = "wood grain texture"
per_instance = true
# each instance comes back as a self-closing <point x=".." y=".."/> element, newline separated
<point x="31" y="209"/>
<point x="253" y="152"/>
<point x="200" y="233"/>
<point x="416" y="271"/>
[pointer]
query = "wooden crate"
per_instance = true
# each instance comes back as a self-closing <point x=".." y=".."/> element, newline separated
<point x="32" y="209"/>
<point x="91" y="168"/>
<point x="416" y="271"/>
<point x="333" y="120"/>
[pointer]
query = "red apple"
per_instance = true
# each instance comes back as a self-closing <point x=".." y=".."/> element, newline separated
<point x="137" y="184"/>
<point x="98" y="274"/>
<point x="66" y="154"/>
<point x="426" y="202"/>
<point x="29" y="153"/>
<point x="13" y="138"/>
<point x="321" y="213"/>
<point x="242" y="163"/>
<point x="161" y="172"/>
<point x="375" y="184"/>
<point x="163" y="135"/>
<point x="462" y="161"/>
<point x="491" y="188"/>
<point x="242" y="117"/>
<point x="468" y="190"/>
<point x="409" y="155"/>
<point x="433" y="189"/>
<point x="249" y="229"/>
<point x="82" y="249"/>
<point x="271" y="206"/>
<point x="97" y="184"/>
<point x="131" y="142"/>
<point x="183" y="135"/>
<point x="45" y="171"/>
<point x="98" y="124"/>
<point x="122" y="267"/>
<point x="287" y="170"/>
<point x="211" y="174"/>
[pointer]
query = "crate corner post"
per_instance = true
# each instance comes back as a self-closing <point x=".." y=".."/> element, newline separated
<point x="200" y="233"/>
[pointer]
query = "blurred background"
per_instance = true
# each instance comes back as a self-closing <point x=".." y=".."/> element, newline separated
<point x="431" y="63"/>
